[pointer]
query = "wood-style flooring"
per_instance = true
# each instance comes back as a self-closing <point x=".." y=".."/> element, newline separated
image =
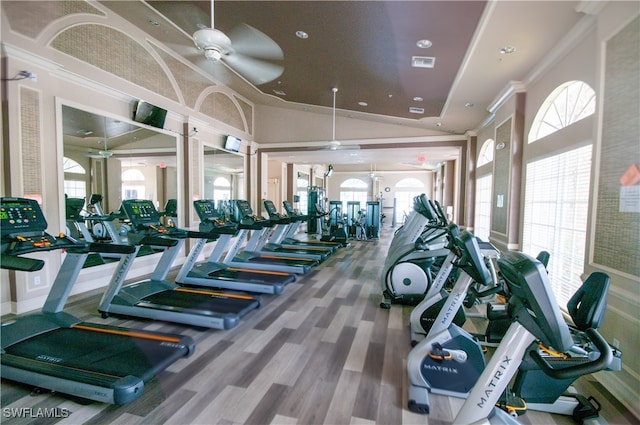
<point x="322" y="352"/>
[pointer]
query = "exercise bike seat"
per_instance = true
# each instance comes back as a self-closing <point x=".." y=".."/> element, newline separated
<point x="587" y="306"/>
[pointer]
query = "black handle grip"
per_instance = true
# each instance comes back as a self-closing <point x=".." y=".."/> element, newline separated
<point x="158" y="240"/>
<point x="112" y="248"/>
<point x="572" y="372"/>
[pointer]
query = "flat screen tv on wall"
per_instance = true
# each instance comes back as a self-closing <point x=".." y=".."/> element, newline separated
<point x="146" y="113"/>
<point x="232" y="144"/>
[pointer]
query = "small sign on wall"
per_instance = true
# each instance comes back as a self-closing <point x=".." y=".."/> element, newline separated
<point x="630" y="190"/>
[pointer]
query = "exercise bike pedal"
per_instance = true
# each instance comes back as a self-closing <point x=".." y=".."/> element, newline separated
<point x="512" y="404"/>
<point x="587" y="408"/>
<point x="439" y="353"/>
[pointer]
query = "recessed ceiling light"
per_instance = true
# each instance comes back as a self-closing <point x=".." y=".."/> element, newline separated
<point x="438" y="124"/>
<point x="363" y="104"/>
<point x="424" y="44"/>
<point x="469" y="105"/>
<point x="302" y="35"/>
<point x="279" y="92"/>
<point x="418" y="99"/>
<point x="154" y="23"/>
<point x="507" y="50"/>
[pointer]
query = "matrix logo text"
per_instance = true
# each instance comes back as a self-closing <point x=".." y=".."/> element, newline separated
<point x="31" y="412"/>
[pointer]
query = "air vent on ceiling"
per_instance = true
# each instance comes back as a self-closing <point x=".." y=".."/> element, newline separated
<point x="415" y="110"/>
<point x="423" y="61"/>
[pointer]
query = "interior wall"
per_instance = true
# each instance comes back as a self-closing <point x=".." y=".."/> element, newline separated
<point x="606" y="56"/>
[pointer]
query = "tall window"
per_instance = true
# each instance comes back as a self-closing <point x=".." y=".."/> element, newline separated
<point x="132" y="184"/>
<point x="555" y="216"/>
<point x="484" y="187"/>
<point x="482" y="219"/>
<point x="353" y="190"/>
<point x="75" y="185"/>
<point x="221" y="189"/>
<point x="406" y="190"/>
<point x="568" y="103"/>
<point x="302" y="185"/>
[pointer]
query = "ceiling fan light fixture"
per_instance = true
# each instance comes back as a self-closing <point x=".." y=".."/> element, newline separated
<point x="212" y="40"/>
<point x="212" y="54"/>
<point x="105" y="154"/>
<point x="334" y="145"/>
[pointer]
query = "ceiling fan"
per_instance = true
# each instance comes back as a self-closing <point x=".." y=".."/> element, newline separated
<point x="245" y="49"/>
<point x="102" y="153"/>
<point x="334" y="144"/>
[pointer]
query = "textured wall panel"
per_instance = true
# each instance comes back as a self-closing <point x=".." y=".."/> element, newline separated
<point x="502" y="174"/>
<point x="618" y="233"/>
<point x="30" y="142"/>
<point x="191" y="83"/>
<point x="247" y="110"/>
<point x="30" y="21"/>
<point x="221" y="107"/>
<point x="116" y="53"/>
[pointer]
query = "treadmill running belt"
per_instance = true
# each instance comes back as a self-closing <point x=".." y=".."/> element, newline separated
<point x="87" y="355"/>
<point x="252" y="277"/>
<point x="186" y="300"/>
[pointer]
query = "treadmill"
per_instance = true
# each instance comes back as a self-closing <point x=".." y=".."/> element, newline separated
<point x="59" y="352"/>
<point x="158" y="298"/>
<point x="216" y="274"/>
<point x="276" y="243"/>
<point x="298" y="218"/>
<point x="246" y="258"/>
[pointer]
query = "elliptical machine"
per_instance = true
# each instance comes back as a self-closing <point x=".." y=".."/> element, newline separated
<point x="424" y="314"/>
<point x="406" y="275"/>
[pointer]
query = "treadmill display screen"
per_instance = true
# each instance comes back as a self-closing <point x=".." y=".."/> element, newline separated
<point x="141" y="212"/>
<point x="271" y="208"/>
<point x="244" y="209"/>
<point x="21" y="215"/>
<point x="288" y="207"/>
<point x="205" y="209"/>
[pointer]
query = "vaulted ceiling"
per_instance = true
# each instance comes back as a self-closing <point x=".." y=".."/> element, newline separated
<point x="365" y="49"/>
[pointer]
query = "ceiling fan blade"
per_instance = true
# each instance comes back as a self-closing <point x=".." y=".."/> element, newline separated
<point x="254" y="70"/>
<point x="249" y="41"/>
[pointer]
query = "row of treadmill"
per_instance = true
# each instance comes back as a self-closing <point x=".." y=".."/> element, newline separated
<point x="528" y="357"/>
<point x="56" y="351"/>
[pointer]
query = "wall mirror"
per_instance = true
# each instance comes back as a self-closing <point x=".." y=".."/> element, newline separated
<point x="223" y="175"/>
<point x="116" y="159"/>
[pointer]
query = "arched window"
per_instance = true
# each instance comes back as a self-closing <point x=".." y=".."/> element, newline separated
<point x="353" y="190"/>
<point x="132" y="184"/>
<point x="221" y="189"/>
<point x="71" y="166"/>
<point x="406" y="190"/>
<point x="486" y="152"/>
<point x="75" y="184"/>
<point x="568" y="103"/>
